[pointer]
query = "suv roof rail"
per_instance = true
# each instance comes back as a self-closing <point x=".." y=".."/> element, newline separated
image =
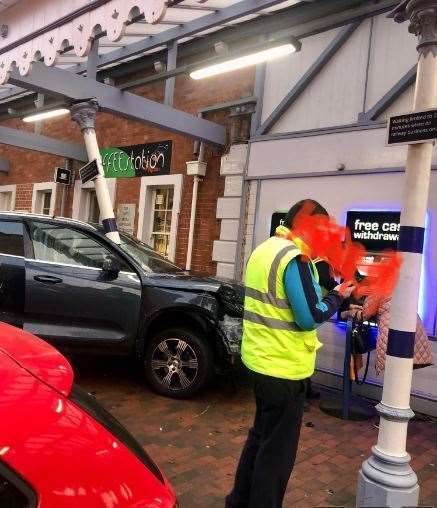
<point x="45" y="216"/>
<point x="27" y="214"/>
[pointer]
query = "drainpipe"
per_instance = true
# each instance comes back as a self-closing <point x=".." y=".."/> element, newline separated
<point x="197" y="169"/>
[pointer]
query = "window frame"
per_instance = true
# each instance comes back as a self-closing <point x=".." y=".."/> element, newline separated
<point x="40" y="188"/>
<point x="9" y="189"/>
<point x="19" y="483"/>
<point x="148" y="184"/>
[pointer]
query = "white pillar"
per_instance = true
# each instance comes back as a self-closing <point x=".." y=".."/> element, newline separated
<point x="386" y="478"/>
<point x="84" y="113"/>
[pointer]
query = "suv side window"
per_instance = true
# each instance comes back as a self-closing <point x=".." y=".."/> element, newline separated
<point x="64" y="245"/>
<point x="11" y="238"/>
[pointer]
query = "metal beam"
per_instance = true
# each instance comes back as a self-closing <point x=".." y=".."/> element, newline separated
<point x="389" y="98"/>
<point x="300" y="25"/>
<point x="91" y="66"/>
<point x="66" y="84"/>
<point x="172" y="55"/>
<point x="212" y="20"/>
<point x="260" y="78"/>
<point x="308" y="77"/>
<point x="301" y="20"/>
<point x="30" y="141"/>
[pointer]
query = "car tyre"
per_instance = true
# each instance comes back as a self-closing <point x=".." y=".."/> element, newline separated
<point x="178" y="363"/>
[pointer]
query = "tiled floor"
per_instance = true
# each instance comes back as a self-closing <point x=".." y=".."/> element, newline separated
<point x="198" y="442"/>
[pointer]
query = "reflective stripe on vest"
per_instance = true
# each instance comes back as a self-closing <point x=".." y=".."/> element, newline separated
<point x="271" y="296"/>
<point x="275" y="324"/>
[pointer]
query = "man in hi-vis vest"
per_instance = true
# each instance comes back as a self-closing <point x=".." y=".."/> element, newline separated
<point x="282" y="309"/>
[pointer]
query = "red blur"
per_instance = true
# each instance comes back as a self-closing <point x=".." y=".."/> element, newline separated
<point x="62" y="452"/>
<point x="325" y="239"/>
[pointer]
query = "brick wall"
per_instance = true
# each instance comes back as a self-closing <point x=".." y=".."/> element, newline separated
<point x="29" y="167"/>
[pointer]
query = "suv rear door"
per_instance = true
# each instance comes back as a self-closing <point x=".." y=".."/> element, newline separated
<point x="12" y="272"/>
<point x="69" y="298"/>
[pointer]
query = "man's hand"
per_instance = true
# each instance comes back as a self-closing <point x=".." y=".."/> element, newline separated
<point x="345" y="289"/>
<point x="354" y="311"/>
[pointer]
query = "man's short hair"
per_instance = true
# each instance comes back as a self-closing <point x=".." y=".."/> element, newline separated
<point x="314" y="208"/>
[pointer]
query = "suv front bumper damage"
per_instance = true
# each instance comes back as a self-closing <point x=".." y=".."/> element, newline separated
<point x="231" y="329"/>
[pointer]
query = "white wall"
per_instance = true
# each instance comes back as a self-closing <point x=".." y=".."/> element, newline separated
<point x="375" y="57"/>
<point x="283" y="74"/>
<point x="364" y="149"/>
<point x="392" y="53"/>
<point x="343" y="193"/>
<point x="340" y="194"/>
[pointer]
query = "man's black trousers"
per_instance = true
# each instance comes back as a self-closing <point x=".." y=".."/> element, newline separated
<point x="269" y="453"/>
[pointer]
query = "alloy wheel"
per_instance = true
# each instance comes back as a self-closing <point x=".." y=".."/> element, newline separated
<point x="174" y="364"/>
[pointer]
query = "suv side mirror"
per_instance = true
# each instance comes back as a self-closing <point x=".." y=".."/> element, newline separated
<point x="111" y="265"/>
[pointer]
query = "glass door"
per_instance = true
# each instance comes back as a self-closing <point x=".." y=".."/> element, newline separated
<point x="5" y="201"/>
<point x="44" y="202"/>
<point x="162" y="202"/>
<point x="93" y="208"/>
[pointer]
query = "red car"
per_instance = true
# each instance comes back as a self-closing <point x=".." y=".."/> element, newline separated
<point x="58" y="447"/>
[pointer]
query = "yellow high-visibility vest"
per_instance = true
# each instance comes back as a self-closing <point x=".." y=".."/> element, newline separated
<point x="272" y="342"/>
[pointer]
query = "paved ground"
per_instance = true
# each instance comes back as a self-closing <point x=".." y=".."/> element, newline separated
<point x="198" y="442"/>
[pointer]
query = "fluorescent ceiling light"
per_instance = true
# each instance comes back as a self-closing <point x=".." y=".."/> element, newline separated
<point x="45" y="115"/>
<point x="240" y="62"/>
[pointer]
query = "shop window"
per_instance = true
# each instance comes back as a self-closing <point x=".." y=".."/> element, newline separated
<point x="5" y="201"/>
<point x="43" y="200"/>
<point x="46" y="200"/>
<point x="7" y="198"/>
<point x="158" y="212"/>
<point x="93" y="207"/>
<point x="161" y="223"/>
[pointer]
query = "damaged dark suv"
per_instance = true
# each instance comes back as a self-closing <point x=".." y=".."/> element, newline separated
<point x="64" y="281"/>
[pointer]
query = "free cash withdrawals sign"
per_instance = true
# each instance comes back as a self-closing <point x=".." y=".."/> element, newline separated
<point x="412" y="128"/>
<point x="149" y="159"/>
<point x="376" y="230"/>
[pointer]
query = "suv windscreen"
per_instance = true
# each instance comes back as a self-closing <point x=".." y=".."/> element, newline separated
<point x="89" y="404"/>
<point x="147" y="258"/>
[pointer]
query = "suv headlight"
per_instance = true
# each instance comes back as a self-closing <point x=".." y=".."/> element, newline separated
<point x="232" y="299"/>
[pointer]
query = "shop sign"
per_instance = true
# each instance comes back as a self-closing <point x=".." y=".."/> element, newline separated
<point x="62" y="176"/>
<point x="89" y="172"/>
<point x="126" y="217"/>
<point x="412" y="128"/>
<point x="150" y="159"/>
<point x="376" y="230"/>
<point x="277" y="220"/>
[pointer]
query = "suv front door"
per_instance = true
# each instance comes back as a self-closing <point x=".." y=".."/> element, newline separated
<point x="70" y="299"/>
<point x="12" y="272"/>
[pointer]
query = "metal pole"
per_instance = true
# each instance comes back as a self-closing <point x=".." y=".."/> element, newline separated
<point x="347" y="385"/>
<point x="386" y="478"/>
<point x="84" y="113"/>
<point x="68" y="165"/>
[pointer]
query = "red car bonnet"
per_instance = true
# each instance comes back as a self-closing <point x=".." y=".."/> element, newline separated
<point x="37" y="357"/>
